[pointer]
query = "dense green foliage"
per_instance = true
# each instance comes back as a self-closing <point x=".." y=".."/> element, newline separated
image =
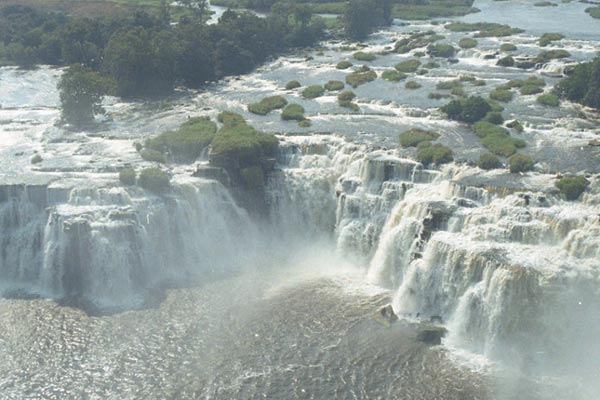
<point x="153" y="155"/>
<point x="343" y="64"/>
<point x="127" y="176"/>
<point x="547" y="55"/>
<point x="362" y="56"/>
<point x="549" y="99"/>
<point x="583" y="85"/>
<point x="412" y="85"/>
<point x="293" y="112"/>
<point x="408" y="66"/>
<point x="361" y="17"/>
<point x="483" y="29"/>
<point x="428" y="153"/>
<point x="416" y="40"/>
<point x="393" y="75"/>
<point x="593" y="11"/>
<point x="412" y="137"/>
<point x="467" y="43"/>
<point x="572" y="186"/>
<point x="334" y="85"/>
<point x="186" y="143"/>
<point x="292" y="85"/>
<point x="469" y="110"/>
<point x="267" y="105"/>
<point x="360" y="77"/>
<point x="520" y="163"/>
<point x="507" y="61"/>
<point x="497" y="139"/>
<point x="441" y="50"/>
<point x="81" y="93"/>
<point x="548" y="38"/>
<point x="313" y="91"/>
<point x="145" y="54"/>
<point x="154" y="180"/>
<point x="502" y="95"/>
<point x="508" y="47"/>
<point x="488" y="161"/>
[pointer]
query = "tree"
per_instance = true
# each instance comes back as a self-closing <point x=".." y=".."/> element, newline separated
<point x="197" y="7"/>
<point x="81" y="93"/>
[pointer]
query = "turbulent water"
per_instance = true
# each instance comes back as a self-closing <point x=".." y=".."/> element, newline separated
<point x="113" y="293"/>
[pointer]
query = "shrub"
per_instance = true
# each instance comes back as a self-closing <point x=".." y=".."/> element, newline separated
<point x="267" y="105"/>
<point x="346" y="95"/>
<point x="547" y="55"/>
<point x="36" y="159"/>
<point x="412" y="137"/>
<point x="154" y="180"/>
<point x="441" y="50"/>
<point x="185" y="143"/>
<point x="501" y="95"/>
<point x="292" y="85"/>
<point x="334" y="85"/>
<point x="530" y="89"/>
<point x="545" y="4"/>
<point x="485" y="128"/>
<point x="305" y="123"/>
<point x="572" y="186"/>
<point x="467" y="43"/>
<point x="593" y="11"/>
<point x="448" y="85"/>
<point x="494" y="118"/>
<point x="488" y="161"/>
<point x="229" y="118"/>
<point x="362" y="56"/>
<point x="431" y="65"/>
<point x="520" y="163"/>
<point x="343" y="64"/>
<point x="469" y="110"/>
<point x="313" y="91"/>
<point x="153" y="155"/>
<point x="485" y="29"/>
<point x="508" y="47"/>
<point x="408" y="66"/>
<point x="349" y="104"/>
<point x="293" y="112"/>
<point x="428" y="153"/>
<point x="412" y="85"/>
<point x="548" y="38"/>
<point x="549" y="99"/>
<point x="358" y="78"/>
<point x="127" y="176"/>
<point x="502" y="144"/>
<point x="507" y="61"/>
<point x="393" y="75"/>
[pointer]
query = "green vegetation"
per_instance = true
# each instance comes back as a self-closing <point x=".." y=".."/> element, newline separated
<point x="520" y="163"/>
<point x="393" y="75"/>
<point x="441" y="50"/>
<point x="361" y="17"/>
<point x="127" y="176"/>
<point x="572" y="186"/>
<point x="427" y="9"/>
<point x="153" y="155"/>
<point x="184" y="144"/>
<point x="488" y="161"/>
<point x="467" y="43"/>
<point x="292" y="85"/>
<point x="582" y="85"/>
<point x="408" y="66"/>
<point x="469" y="110"/>
<point x="508" y="47"/>
<point x="334" y="85"/>
<point x="485" y="128"/>
<point x="346" y="95"/>
<point x="545" y="4"/>
<point x="305" y="123"/>
<point x="154" y="180"/>
<point x="267" y="105"/>
<point x="593" y="11"/>
<point x="313" y="91"/>
<point x="416" y="40"/>
<point x="549" y="99"/>
<point x="497" y="139"/>
<point x="144" y="54"/>
<point x="293" y="112"/>
<point x="36" y="159"/>
<point x="530" y="89"/>
<point x="428" y="153"/>
<point x="547" y="55"/>
<point x="362" y="56"/>
<point x="502" y="95"/>
<point x="431" y="65"/>
<point x="412" y="85"/>
<point x="343" y="64"/>
<point x="494" y="117"/>
<point x="507" y="61"/>
<point x="81" y="93"/>
<point x="360" y="77"/>
<point x="238" y="145"/>
<point x="449" y="85"/>
<point x="548" y="38"/>
<point x="412" y="137"/>
<point x="484" y="29"/>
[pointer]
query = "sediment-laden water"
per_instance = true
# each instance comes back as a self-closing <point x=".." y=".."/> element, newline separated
<point x="114" y="293"/>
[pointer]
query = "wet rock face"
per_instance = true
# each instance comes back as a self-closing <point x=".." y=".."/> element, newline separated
<point x="431" y="335"/>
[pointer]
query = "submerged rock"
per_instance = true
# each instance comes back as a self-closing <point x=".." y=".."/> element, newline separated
<point x="431" y="335"/>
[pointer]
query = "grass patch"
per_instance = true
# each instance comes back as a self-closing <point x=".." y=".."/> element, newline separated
<point x="185" y="143"/>
<point x="412" y="137"/>
<point x="293" y="112"/>
<point x="501" y="95"/>
<point x="547" y="55"/>
<point x="334" y="85"/>
<point x="488" y="161"/>
<point x="153" y="155"/>
<point x="292" y="85"/>
<point x="548" y="38"/>
<point x="484" y="29"/>
<point x="428" y="153"/>
<point x="520" y="163"/>
<point x="362" y="56"/>
<point x="358" y="78"/>
<point x="412" y="85"/>
<point x="154" y="180"/>
<point x="594" y="12"/>
<point x="313" y="91"/>
<point x="467" y="43"/>
<point x="441" y="50"/>
<point x="549" y="99"/>
<point x="393" y="75"/>
<point x="507" y="61"/>
<point x="508" y="47"/>
<point x="572" y="186"/>
<point x="267" y="105"/>
<point x="408" y="66"/>
<point x="343" y="64"/>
